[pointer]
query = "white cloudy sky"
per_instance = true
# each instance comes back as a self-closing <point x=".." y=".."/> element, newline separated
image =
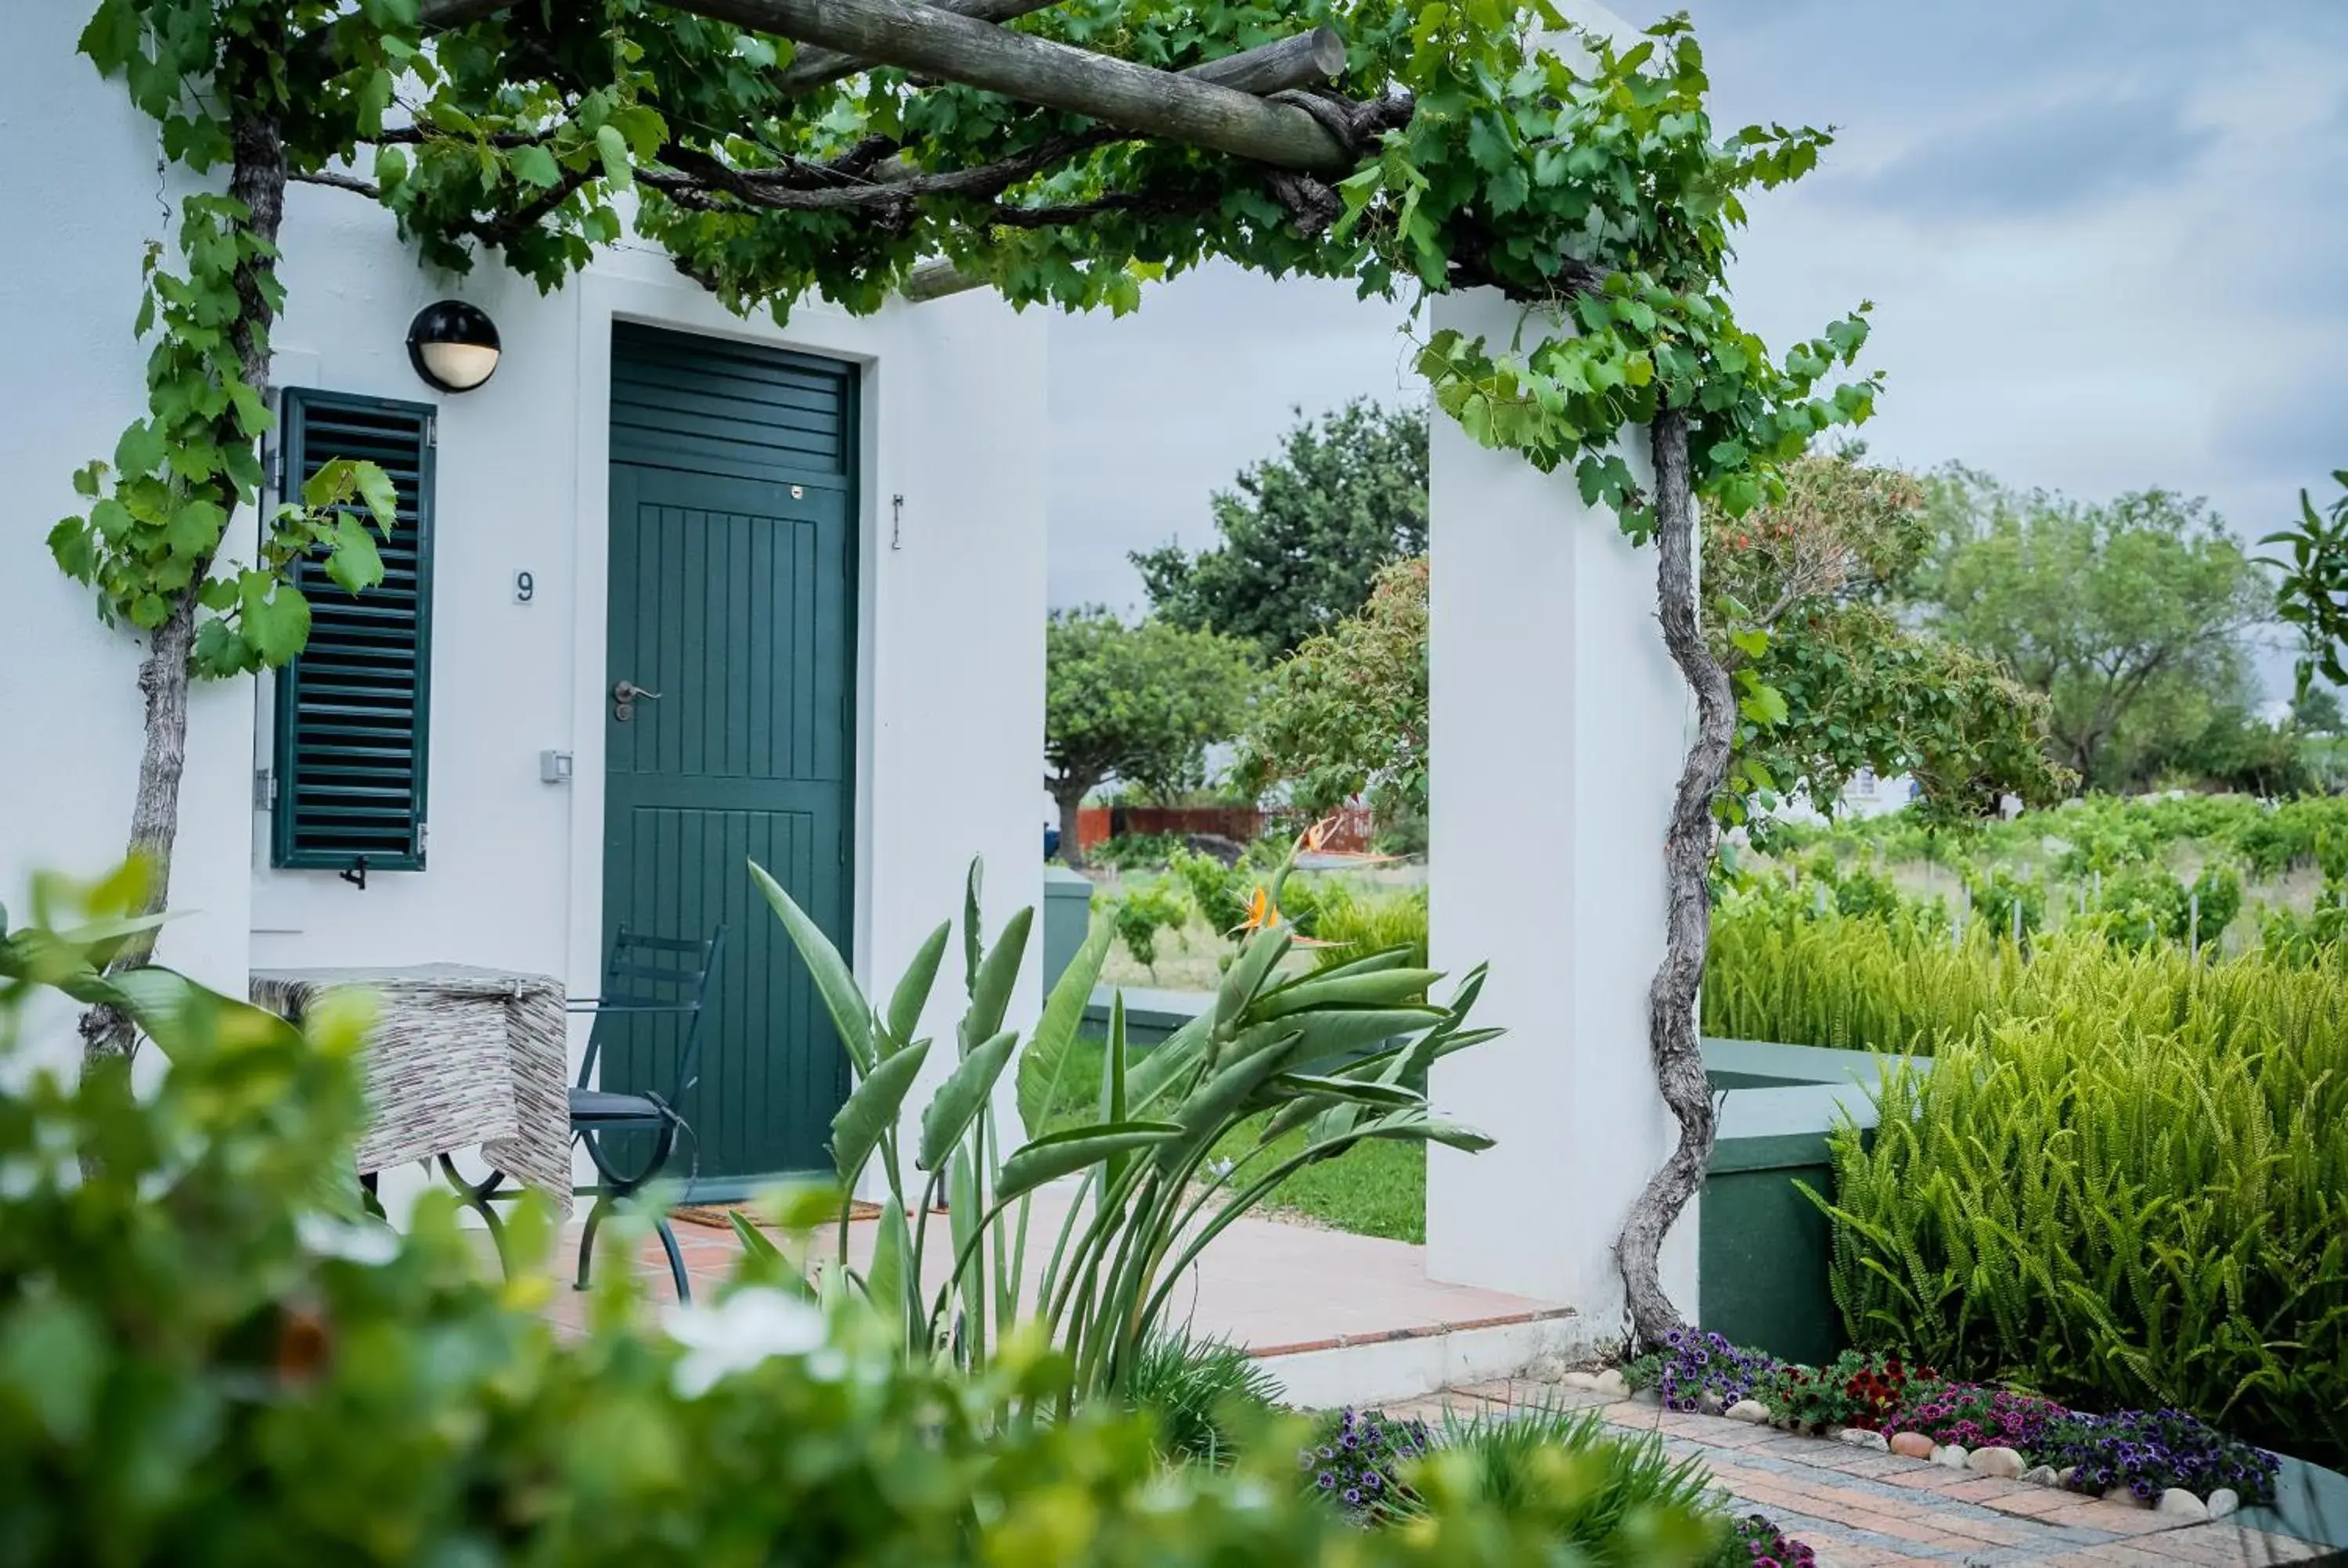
<point x="2108" y="241"/>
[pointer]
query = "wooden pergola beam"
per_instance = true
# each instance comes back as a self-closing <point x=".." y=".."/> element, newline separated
<point x="1216" y="105"/>
<point x="813" y="69"/>
<point x="938" y="42"/>
<point x="1287" y="63"/>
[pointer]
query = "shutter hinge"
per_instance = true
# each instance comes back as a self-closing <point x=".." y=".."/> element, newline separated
<point x="423" y="839"/>
<point x="264" y="790"/>
<point x="431" y="428"/>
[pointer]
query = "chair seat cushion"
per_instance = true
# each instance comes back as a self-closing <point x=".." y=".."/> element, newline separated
<point x="604" y="1105"/>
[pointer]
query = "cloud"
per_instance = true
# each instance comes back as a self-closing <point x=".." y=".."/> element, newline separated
<point x="2105" y="239"/>
<point x="2055" y="158"/>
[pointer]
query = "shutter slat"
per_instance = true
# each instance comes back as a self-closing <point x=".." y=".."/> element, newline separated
<point x="352" y="709"/>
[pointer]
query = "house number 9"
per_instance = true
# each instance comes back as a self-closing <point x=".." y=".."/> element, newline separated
<point x="525" y="588"/>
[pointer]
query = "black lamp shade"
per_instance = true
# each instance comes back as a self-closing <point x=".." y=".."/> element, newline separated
<point x="453" y="346"/>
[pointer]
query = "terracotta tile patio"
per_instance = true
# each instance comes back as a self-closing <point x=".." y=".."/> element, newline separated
<point x="1281" y="1289"/>
<point x="1277" y="1289"/>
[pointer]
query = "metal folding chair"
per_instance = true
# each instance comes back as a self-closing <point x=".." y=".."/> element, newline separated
<point x="644" y="975"/>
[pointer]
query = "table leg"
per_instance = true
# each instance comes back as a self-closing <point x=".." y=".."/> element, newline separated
<point x="476" y="1196"/>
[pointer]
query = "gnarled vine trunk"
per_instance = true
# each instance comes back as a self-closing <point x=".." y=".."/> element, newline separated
<point x="1687" y="861"/>
<point x="257" y="178"/>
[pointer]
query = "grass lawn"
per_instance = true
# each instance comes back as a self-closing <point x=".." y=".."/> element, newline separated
<point x="1378" y="1187"/>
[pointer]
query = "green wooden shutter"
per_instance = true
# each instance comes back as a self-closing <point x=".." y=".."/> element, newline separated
<point x="353" y="710"/>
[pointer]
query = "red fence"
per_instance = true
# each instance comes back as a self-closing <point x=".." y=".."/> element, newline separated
<point x="1350" y="832"/>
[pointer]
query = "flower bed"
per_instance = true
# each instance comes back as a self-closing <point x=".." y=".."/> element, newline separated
<point x="1362" y="1463"/>
<point x="2147" y="1453"/>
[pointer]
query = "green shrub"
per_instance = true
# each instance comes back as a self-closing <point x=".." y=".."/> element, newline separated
<point x="1137" y="851"/>
<point x="1864" y="984"/>
<point x="2127" y="1196"/>
<point x="2006" y="904"/>
<point x="1628" y="1481"/>
<point x="1219" y="891"/>
<point x="207" y="1357"/>
<point x="1353" y="927"/>
<point x="1206" y="1396"/>
<point x="1145" y="909"/>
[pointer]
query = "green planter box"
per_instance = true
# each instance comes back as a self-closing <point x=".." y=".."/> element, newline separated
<point x="1762" y="1245"/>
<point x="1067" y="916"/>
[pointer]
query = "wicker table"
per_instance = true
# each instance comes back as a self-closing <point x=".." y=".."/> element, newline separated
<point x="460" y="1058"/>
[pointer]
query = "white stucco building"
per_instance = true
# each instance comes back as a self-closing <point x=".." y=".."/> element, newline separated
<point x="822" y="545"/>
<point x="676" y="590"/>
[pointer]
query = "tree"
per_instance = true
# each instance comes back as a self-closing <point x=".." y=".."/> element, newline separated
<point x="1304" y="533"/>
<point x="1133" y="702"/>
<point x="2315" y="711"/>
<point x="2128" y="617"/>
<point x="2312" y="592"/>
<point x="1346" y="714"/>
<point x="1803" y="594"/>
<point x="855" y="149"/>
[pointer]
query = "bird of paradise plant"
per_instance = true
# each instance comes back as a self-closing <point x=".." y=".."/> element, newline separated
<point x="1144" y="1198"/>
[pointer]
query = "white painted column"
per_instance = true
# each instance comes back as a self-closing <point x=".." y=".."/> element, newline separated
<point x="1557" y="730"/>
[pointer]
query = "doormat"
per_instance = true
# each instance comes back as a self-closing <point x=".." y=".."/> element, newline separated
<point x="719" y="1216"/>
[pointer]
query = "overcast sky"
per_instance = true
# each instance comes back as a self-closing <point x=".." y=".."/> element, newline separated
<point x="2108" y="241"/>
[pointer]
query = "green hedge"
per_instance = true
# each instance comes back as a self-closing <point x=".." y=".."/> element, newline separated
<point x="2125" y="1183"/>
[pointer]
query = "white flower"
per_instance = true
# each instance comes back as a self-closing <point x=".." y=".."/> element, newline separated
<point x="370" y="1243"/>
<point x="737" y="1334"/>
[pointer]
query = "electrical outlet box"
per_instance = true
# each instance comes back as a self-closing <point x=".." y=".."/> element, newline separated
<point x="554" y="767"/>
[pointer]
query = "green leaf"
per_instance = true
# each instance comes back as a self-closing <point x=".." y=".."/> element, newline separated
<point x="851" y="1015"/>
<point x="990" y="995"/>
<point x="613" y="147"/>
<point x="1209" y="1111"/>
<point x="353" y="560"/>
<point x="195" y="527"/>
<point x="873" y="1111"/>
<point x="887" y="1281"/>
<point x="1246" y="976"/>
<point x="74" y="548"/>
<point x="275" y="619"/>
<point x="757" y="1242"/>
<point x="140" y="451"/>
<point x="534" y="165"/>
<point x="961" y="1098"/>
<point x="1386" y="1095"/>
<point x="381" y="495"/>
<point x="1057" y="1154"/>
<point x="53" y="1358"/>
<point x="1380" y="987"/>
<point x="912" y="993"/>
<point x="1063" y="1015"/>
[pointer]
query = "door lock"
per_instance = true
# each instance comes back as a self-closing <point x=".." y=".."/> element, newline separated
<point x="626" y="694"/>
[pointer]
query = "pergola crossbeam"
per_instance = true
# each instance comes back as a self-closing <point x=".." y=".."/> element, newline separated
<point x="813" y="69"/>
<point x="1168" y="106"/>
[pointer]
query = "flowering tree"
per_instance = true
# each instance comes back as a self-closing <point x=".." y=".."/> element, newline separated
<point x="852" y="148"/>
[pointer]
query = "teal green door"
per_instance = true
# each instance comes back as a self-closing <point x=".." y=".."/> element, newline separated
<point x="731" y="596"/>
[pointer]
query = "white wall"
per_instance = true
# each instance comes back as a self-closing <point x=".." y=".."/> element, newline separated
<point x="950" y="640"/>
<point x="82" y="178"/>
<point x="1557" y="724"/>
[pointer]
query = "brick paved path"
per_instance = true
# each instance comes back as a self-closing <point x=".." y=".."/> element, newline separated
<point x="1864" y="1510"/>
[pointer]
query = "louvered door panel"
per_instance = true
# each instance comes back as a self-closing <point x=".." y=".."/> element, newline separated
<point x="353" y="710"/>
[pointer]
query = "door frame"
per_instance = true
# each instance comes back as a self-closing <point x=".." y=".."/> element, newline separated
<point x="681" y="307"/>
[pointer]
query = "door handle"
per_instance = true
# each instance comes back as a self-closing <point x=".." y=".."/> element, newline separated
<point x="624" y="696"/>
